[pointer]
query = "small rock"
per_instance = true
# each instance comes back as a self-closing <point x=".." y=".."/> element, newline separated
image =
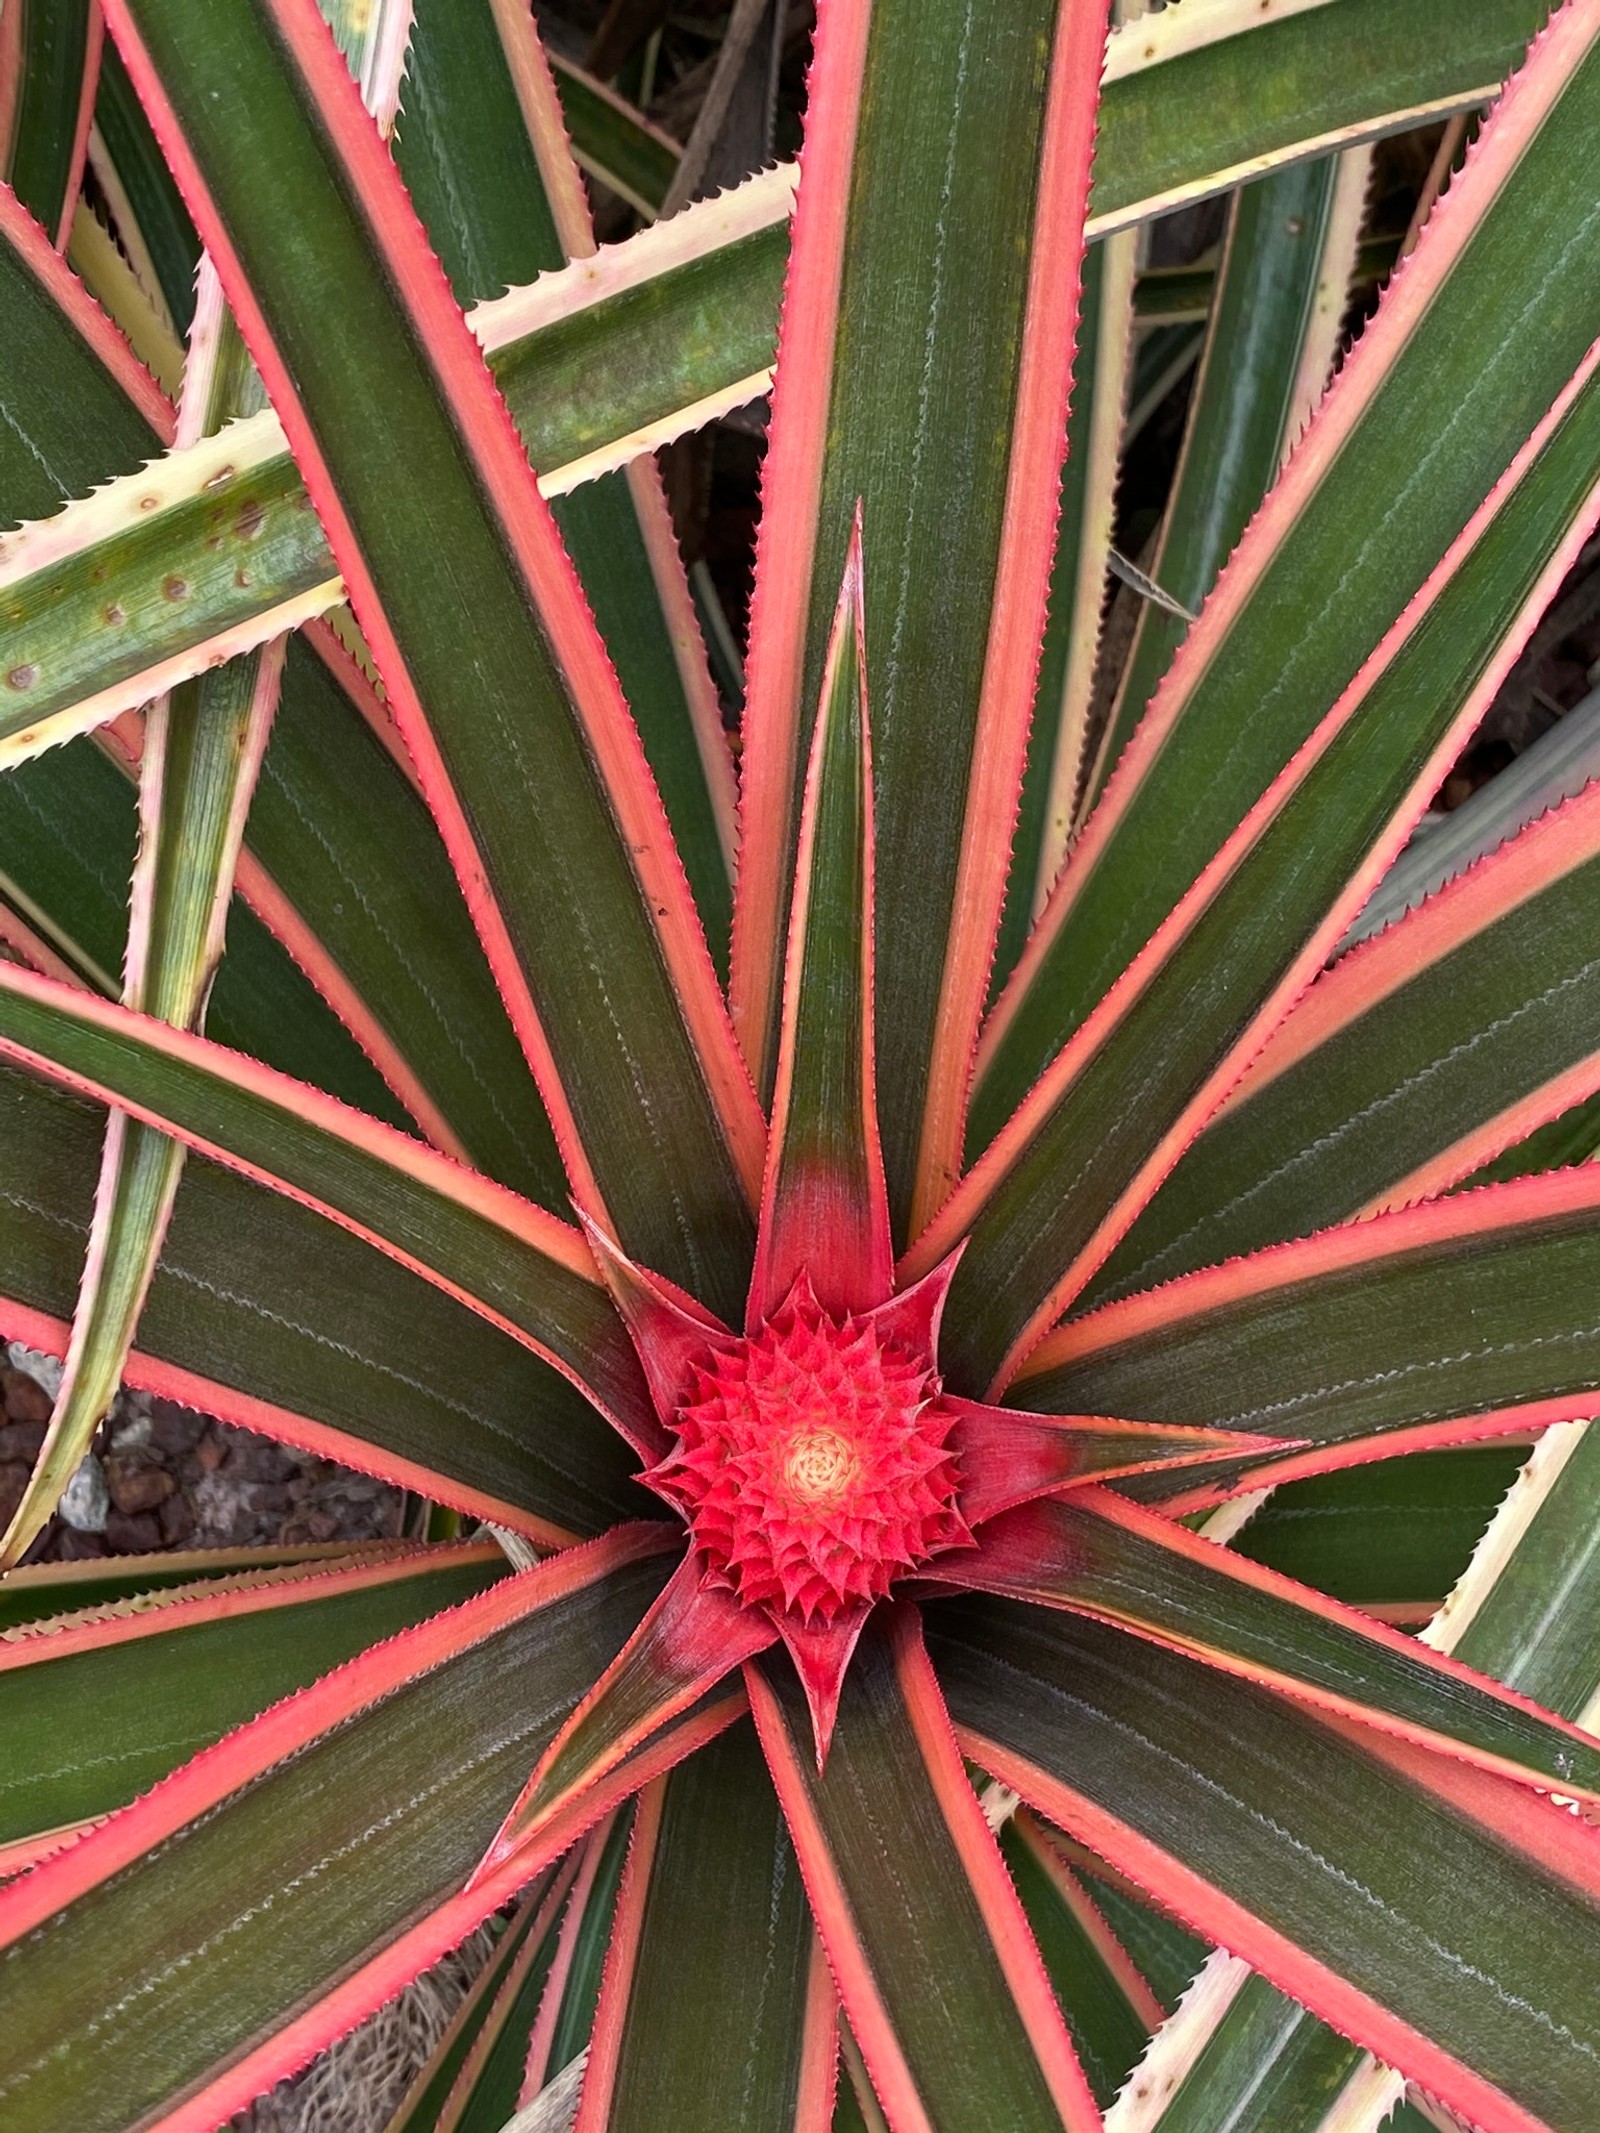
<point x="177" y="1521"/>
<point x="173" y="1429"/>
<point x="320" y="1525"/>
<point x="44" y="1369"/>
<point x="211" y="1451"/>
<point x="131" y="1433"/>
<point x="13" y="1486"/>
<point x="25" y="1398"/>
<point x="86" y="1501"/>
<point x="75" y="1547"/>
<point x="21" y="1440"/>
<point x="135" y="1484"/>
<point x="135" y="1533"/>
<point x="257" y="1459"/>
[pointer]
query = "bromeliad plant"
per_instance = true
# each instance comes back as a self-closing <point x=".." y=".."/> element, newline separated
<point x="849" y="1255"/>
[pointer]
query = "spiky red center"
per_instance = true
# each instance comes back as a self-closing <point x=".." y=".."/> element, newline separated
<point x="812" y="1466"/>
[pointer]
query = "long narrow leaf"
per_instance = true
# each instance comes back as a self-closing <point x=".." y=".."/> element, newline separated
<point x="412" y="457"/>
<point x="310" y="1336"/>
<point x="1438" y="360"/>
<point x="941" y="1983"/>
<point x="521" y="1268"/>
<point x="1416" y="1059"/>
<point x="713" y="1889"/>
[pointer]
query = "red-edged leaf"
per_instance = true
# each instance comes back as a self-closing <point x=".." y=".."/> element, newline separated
<point x="509" y="1260"/>
<point x="402" y="1755"/>
<point x="671" y="1332"/>
<point x="1008" y="1456"/>
<point x="712" y="1916"/>
<point x="824" y="1207"/>
<point x="822" y="1652"/>
<point x="931" y="296"/>
<point x="410" y="456"/>
<point x="100" y="1704"/>
<point x="692" y="1636"/>
<point x="941" y="1982"/>
<point x="46" y="106"/>
<point x="1422" y="1054"/>
<point x="1269" y="656"/>
<point x="1466" y="1318"/>
<point x="1097" y="1554"/>
<point x="1440" y="1915"/>
<point x="1085" y="1151"/>
<point x="517" y="1970"/>
<point x="55" y="285"/>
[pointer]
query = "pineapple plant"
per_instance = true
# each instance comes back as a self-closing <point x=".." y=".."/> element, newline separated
<point x="862" y="1256"/>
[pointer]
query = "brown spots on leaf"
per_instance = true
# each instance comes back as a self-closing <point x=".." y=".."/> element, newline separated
<point x="176" y="588"/>
<point x="250" y="519"/>
<point x="22" y="677"/>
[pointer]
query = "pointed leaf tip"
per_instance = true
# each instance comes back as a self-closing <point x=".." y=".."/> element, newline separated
<point x="1008" y="1456"/>
<point x="821" y="1655"/>
<point x="671" y="1332"/>
<point x="825" y="1206"/>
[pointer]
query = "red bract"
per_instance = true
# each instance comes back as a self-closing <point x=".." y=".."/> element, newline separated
<point x="925" y="1245"/>
<point x="812" y="1463"/>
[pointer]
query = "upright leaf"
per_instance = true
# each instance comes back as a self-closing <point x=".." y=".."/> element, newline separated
<point x="202" y="752"/>
<point x="933" y="286"/>
<point x="486" y="161"/>
<point x="824" y="1209"/>
<point x="942" y="1985"/>
<point x="1359" y="510"/>
<point x="493" y="664"/>
<point x="712" y="1907"/>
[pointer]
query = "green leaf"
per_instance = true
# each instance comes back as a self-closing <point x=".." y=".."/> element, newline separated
<point x="1263" y="309"/>
<point x="1108" y="2028"/>
<point x="259" y="1301"/>
<point x="154" y="201"/>
<point x="60" y="42"/>
<point x="1266" y="90"/>
<point x="1450" y="1025"/>
<point x="1057" y="1193"/>
<point x="923" y="1931"/>
<point x="1164" y="1951"/>
<point x="945" y="277"/>
<point x="487" y="2082"/>
<point x="70" y="832"/>
<point x="419" y="2109"/>
<point x="1491" y="1962"/>
<point x="613" y="142"/>
<point x="41" y="1590"/>
<point x="1269" y="2067"/>
<point x="87" y="1726"/>
<point x="1523" y="1613"/>
<point x="484" y="1246"/>
<point x="1400" y="1530"/>
<point x="1371" y="519"/>
<point x="1535" y="1628"/>
<point x="824" y="1213"/>
<point x="720" y="1925"/>
<point x="497" y="677"/>
<point x="70" y="424"/>
<point x="1046" y="809"/>
<point x="1094" y="1554"/>
<point x="1478" y="1307"/>
<point x="473" y="171"/>
<point x="343" y="833"/>
<point x="279" y="1890"/>
<point x="587" y="1932"/>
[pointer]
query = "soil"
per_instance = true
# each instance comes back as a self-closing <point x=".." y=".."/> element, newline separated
<point x="164" y="1477"/>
